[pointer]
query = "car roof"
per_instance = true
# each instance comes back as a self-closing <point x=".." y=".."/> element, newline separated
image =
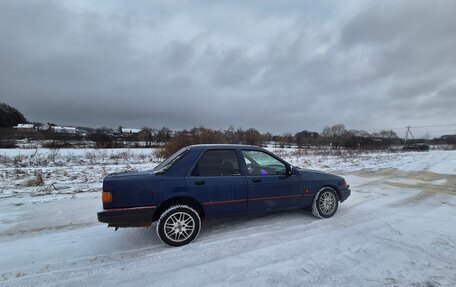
<point x="226" y="146"/>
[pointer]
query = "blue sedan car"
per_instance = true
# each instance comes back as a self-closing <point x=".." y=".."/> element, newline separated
<point x="207" y="181"/>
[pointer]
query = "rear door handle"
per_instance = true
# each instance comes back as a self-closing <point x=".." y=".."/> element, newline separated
<point x="257" y="179"/>
<point x="199" y="182"/>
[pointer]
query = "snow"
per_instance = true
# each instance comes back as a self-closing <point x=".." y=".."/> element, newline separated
<point x="397" y="229"/>
<point x="443" y="162"/>
<point x="439" y="181"/>
<point x="66" y="171"/>
<point x="133" y="131"/>
<point x="24" y="126"/>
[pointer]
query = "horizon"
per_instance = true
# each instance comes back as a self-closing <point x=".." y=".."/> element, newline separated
<point x="422" y="135"/>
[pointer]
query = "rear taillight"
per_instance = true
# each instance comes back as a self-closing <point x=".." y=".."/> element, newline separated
<point x="106" y="197"/>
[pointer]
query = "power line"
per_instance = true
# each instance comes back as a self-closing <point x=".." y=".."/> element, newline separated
<point x="441" y="131"/>
<point x="430" y="126"/>
<point x="434" y="126"/>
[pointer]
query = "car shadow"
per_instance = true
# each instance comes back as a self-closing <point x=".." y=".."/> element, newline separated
<point x="146" y="238"/>
<point x="224" y="227"/>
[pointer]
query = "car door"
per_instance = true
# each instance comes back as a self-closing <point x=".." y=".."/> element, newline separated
<point x="217" y="182"/>
<point x="269" y="184"/>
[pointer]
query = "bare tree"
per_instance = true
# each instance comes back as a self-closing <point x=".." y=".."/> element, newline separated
<point x="145" y="135"/>
<point x="334" y="134"/>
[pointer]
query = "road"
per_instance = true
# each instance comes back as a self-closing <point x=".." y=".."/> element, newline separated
<point x="397" y="228"/>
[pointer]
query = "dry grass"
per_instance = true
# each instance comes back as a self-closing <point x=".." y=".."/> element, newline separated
<point x="38" y="180"/>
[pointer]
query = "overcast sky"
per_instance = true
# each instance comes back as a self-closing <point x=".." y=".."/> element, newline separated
<point x="279" y="66"/>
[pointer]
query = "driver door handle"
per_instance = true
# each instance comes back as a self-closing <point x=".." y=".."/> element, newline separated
<point x="200" y="182"/>
<point x="257" y="179"/>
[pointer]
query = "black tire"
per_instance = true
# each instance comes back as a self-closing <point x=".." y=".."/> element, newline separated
<point x="325" y="203"/>
<point x="178" y="225"/>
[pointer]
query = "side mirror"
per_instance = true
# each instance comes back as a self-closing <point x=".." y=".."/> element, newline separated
<point x="289" y="169"/>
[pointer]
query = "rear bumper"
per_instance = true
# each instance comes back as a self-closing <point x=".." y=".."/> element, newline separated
<point x="344" y="194"/>
<point x="127" y="217"/>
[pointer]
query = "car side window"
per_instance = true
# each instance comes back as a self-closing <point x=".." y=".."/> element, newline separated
<point x="261" y="163"/>
<point x="217" y="163"/>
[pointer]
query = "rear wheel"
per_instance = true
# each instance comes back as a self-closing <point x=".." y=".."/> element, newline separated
<point x="325" y="203"/>
<point x="178" y="225"/>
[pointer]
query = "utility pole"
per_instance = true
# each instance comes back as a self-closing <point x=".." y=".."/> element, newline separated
<point x="407" y="132"/>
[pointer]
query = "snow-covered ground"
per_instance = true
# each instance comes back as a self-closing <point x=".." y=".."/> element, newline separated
<point x="38" y="172"/>
<point x="397" y="229"/>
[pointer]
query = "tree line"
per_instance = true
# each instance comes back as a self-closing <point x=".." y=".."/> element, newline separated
<point x="336" y="136"/>
<point x="10" y="116"/>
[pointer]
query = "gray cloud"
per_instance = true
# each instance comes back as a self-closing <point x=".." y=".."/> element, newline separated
<point x="298" y="65"/>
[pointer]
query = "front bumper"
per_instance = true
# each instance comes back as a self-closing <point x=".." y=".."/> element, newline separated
<point x="344" y="194"/>
<point x="128" y="217"/>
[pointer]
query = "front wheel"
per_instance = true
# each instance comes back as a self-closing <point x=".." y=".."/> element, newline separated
<point x="178" y="225"/>
<point x="325" y="203"/>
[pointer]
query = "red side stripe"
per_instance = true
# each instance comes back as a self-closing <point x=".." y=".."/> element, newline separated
<point x="276" y="197"/>
<point x="256" y="198"/>
<point x="225" y="201"/>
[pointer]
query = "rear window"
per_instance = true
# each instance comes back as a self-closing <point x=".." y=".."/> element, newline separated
<point x="217" y="163"/>
<point x="168" y="163"/>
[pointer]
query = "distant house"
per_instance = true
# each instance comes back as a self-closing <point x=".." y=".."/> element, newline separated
<point x="448" y="137"/>
<point x="83" y="133"/>
<point x="42" y="127"/>
<point x="24" y="127"/>
<point x="64" y="130"/>
<point x="131" y="131"/>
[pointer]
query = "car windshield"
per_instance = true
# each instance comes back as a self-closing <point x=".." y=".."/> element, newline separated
<point x="170" y="161"/>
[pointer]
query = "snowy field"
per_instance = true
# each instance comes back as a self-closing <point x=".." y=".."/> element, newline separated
<point x="397" y="229"/>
